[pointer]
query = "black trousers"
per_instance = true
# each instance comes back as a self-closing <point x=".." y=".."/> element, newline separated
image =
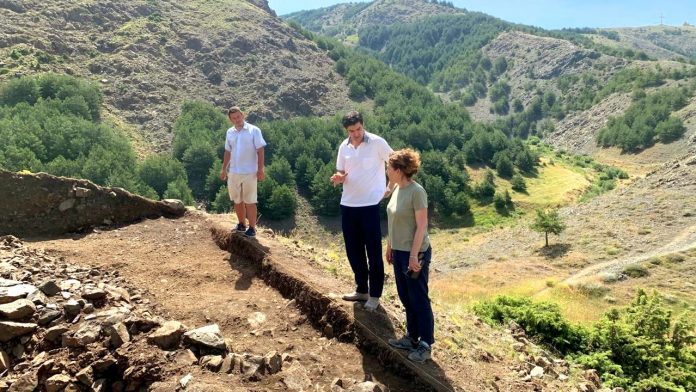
<point x="363" y="238"/>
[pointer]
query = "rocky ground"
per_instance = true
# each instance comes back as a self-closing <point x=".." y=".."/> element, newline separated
<point x="71" y="327"/>
<point x="158" y="306"/>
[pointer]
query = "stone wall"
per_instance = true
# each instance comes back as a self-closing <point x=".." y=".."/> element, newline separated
<point x="41" y="204"/>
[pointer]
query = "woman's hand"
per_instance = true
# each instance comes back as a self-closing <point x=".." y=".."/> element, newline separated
<point x="389" y="256"/>
<point x="413" y="264"/>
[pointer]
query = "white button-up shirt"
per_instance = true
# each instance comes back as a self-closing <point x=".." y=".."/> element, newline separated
<point x="242" y="145"/>
<point x="366" y="179"/>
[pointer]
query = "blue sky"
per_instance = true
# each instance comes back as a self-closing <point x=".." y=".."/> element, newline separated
<point x="554" y="14"/>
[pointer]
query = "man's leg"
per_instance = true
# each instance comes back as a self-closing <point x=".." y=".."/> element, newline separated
<point x="240" y="209"/>
<point x="251" y="214"/>
<point x="355" y="247"/>
<point x="234" y="188"/>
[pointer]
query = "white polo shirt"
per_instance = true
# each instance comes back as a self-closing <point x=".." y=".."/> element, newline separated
<point x="366" y="181"/>
<point x="242" y="145"/>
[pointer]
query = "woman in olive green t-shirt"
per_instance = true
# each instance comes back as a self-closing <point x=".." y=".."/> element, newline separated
<point x="408" y="250"/>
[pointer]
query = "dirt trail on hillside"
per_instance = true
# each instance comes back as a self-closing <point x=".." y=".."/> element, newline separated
<point x="191" y="280"/>
<point x="684" y="241"/>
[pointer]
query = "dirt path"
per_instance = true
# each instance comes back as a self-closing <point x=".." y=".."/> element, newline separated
<point x="193" y="281"/>
<point x="685" y="240"/>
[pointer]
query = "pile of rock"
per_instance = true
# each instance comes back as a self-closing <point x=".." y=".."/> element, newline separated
<point x="68" y="328"/>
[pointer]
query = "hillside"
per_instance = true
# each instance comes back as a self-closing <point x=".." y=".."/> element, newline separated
<point x="659" y="42"/>
<point x="151" y="56"/>
<point x="347" y="19"/>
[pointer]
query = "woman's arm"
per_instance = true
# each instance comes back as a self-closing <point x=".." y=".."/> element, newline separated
<point x="421" y="227"/>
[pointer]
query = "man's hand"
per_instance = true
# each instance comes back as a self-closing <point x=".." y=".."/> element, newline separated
<point x="223" y="175"/>
<point x="338" y="178"/>
<point x="389" y="255"/>
<point x="260" y="175"/>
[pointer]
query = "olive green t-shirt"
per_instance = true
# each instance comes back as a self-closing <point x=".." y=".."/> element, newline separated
<point x="401" y="216"/>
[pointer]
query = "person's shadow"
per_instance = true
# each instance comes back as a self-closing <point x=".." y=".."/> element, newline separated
<point x="373" y="331"/>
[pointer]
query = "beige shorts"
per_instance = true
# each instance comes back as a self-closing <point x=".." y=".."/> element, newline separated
<point x="242" y="188"/>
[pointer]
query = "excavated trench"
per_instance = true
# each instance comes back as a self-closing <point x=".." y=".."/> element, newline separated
<point x="368" y="331"/>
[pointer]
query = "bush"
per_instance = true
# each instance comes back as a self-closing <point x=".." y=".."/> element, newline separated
<point x="179" y="190"/>
<point x="518" y="183"/>
<point x="638" y="348"/>
<point x="636" y="271"/>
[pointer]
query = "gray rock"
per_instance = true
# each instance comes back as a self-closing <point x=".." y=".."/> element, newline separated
<point x="49" y="288"/>
<point x="86" y="376"/>
<point x="54" y="333"/>
<point x="537" y="372"/>
<point x="167" y="336"/>
<point x="208" y="336"/>
<point x="15" y="292"/>
<point x="368" y="386"/>
<point x="88" y="333"/>
<point x="18" y="310"/>
<point x="70" y="285"/>
<point x="226" y="366"/>
<point x="185" y="357"/>
<point x="93" y="293"/>
<point x="66" y="205"/>
<point x="27" y="382"/>
<point x="211" y="362"/>
<point x="82" y="192"/>
<point x="57" y="383"/>
<point x="11" y="329"/>
<point x="38" y="298"/>
<point x="72" y="308"/>
<point x="118" y="334"/>
<point x="273" y="362"/>
<point x="296" y="377"/>
<point x="185" y="380"/>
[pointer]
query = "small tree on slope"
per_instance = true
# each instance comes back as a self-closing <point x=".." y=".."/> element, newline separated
<point x="548" y="222"/>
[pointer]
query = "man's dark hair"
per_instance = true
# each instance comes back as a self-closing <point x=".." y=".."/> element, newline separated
<point x="352" y="118"/>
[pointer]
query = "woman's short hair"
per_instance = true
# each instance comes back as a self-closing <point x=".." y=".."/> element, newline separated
<point x="406" y="160"/>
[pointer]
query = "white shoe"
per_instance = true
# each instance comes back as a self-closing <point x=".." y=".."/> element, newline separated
<point x="355" y="296"/>
<point x="372" y="304"/>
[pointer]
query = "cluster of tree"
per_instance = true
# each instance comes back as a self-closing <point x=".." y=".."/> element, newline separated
<point x="639" y="348"/>
<point x="52" y="123"/>
<point x="448" y="44"/>
<point x="649" y="118"/>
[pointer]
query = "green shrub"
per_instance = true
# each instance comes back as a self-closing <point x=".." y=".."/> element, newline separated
<point x="636" y="271"/>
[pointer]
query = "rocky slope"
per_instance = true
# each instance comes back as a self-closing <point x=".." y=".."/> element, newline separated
<point x="342" y="20"/>
<point x="660" y="42"/>
<point x="150" y="56"/>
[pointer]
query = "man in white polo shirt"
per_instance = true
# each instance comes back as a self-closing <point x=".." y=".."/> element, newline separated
<point x="242" y="167"/>
<point x="360" y="167"/>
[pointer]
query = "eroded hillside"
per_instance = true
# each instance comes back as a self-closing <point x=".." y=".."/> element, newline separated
<point x="150" y="56"/>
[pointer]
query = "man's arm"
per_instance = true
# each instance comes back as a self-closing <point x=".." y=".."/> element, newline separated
<point x="225" y="163"/>
<point x="260" y="173"/>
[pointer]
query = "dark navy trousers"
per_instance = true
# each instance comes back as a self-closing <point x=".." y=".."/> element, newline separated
<point x="363" y="237"/>
<point x="413" y="294"/>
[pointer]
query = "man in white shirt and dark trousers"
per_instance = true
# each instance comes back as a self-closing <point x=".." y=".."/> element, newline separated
<point x="242" y="167"/>
<point x="360" y="167"/>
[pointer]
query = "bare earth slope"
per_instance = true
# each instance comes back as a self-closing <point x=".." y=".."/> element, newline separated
<point x="151" y="56"/>
<point x="191" y="280"/>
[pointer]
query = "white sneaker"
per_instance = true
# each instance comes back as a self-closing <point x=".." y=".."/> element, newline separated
<point x="372" y="304"/>
<point x="355" y="296"/>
